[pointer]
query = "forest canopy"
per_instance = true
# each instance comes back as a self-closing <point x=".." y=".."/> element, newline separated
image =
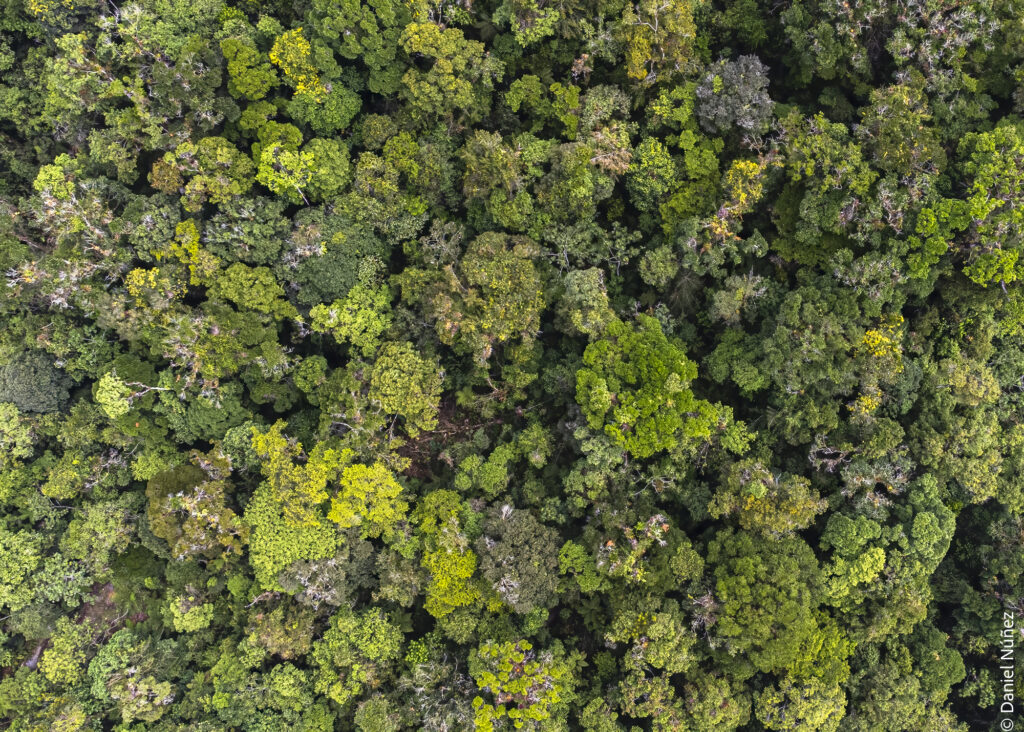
<point x="606" y="365"/>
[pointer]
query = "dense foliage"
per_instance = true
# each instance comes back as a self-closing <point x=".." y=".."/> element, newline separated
<point x="594" y="364"/>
